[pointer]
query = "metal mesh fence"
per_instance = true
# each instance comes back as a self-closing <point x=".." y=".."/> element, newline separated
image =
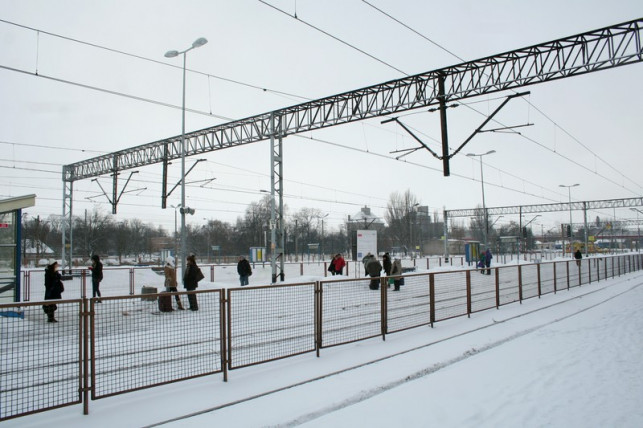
<point x="268" y="323"/>
<point x="547" y="278"/>
<point x="529" y="275"/>
<point x="136" y="346"/>
<point x="508" y="291"/>
<point x="574" y="274"/>
<point x="40" y="361"/>
<point x="450" y="295"/>
<point x="410" y="306"/>
<point x="561" y="276"/>
<point x="585" y="272"/>
<point x="483" y="290"/>
<point x="350" y="311"/>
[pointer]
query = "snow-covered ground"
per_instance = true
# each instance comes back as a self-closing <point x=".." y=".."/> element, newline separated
<point x="565" y="360"/>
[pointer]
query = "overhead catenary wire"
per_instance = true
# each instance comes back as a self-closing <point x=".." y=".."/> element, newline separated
<point x="528" y="101"/>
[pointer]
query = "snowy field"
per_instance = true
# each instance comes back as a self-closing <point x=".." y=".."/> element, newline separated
<point x="564" y="360"/>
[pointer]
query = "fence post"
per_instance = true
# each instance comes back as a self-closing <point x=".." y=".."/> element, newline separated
<point x="83" y="283"/>
<point x="318" y="317"/>
<point x="432" y="298"/>
<point x="131" y="281"/>
<point x="325" y="269"/>
<point x="520" y="282"/>
<point x="538" y="275"/>
<point x="84" y="320"/>
<point x="497" y="275"/>
<point x="468" y="278"/>
<point x="427" y="263"/>
<point x="567" y="263"/>
<point x="223" y="333"/>
<point x="384" y="305"/>
<point x="211" y="273"/>
<point x="555" y="279"/>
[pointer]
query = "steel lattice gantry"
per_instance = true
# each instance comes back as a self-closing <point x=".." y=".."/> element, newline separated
<point x="588" y="52"/>
<point x="542" y="208"/>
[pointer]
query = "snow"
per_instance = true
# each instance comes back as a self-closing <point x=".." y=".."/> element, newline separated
<point x="566" y="359"/>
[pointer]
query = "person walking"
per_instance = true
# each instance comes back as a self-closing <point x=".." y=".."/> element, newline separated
<point x="374" y="269"/>
<point x="397" y="271"/>
<point x="97" y="276"/>
<point x="339" y="264"/>
<point x="331" y="266"/>
<point x="244" y="270"/>
<point x="578" y="256"/>
<point x="53" y="289"/>
<point x="487" y="260"/>
<point x="191" y="280"/>
<point x="170" y="280"/>
<point x="386" y="263"/>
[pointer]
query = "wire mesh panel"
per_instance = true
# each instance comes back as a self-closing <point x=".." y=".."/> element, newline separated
<point x="561" y="276"/>
<point x="546" y="278"/>
<point x="350" y="311"/>
<point x="410" y="306"/>
<point x="483" y="290"/>
<point x="40" y="361"/>
<point x="450" y="294"/>
<point x="585" y="271"/>
<point x="268" y="323"/>
<point x="508" y="291"/>
<point x="529" y="280"/>
<point x="136" y="346"/>
<point x="574" y="274"/>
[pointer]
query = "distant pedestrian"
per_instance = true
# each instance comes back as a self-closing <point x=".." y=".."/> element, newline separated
<point x="170" y="280"/>
<point x="244" y="270"/>
<point x="487" y="260"/>
<point x="97" y="276"/>
<point x="331" y="265"/>
<point x="374" y="269"/>
<point x="191" y="278"/>
<point x="339" y="264"/>
<point x="578" y="256"/>
<point x="386" y="263"/>
<point x="53" y="289"/>
<point x="367" y="258"/>
<point x="397" y="271"/>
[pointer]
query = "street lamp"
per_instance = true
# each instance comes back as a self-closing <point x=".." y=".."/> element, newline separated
<point x="171" y="54"/>
<point x="484" y="206"/>
<point x="569" y="190"/>
<point x="322" y="236"/>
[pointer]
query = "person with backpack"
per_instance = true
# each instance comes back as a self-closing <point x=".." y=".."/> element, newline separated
<point x="244" y="270"/>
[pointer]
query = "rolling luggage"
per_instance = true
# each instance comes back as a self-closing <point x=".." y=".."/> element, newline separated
<point x="165" y="302"/>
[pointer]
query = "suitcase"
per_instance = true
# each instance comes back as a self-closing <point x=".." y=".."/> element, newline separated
<point x="165" y="302"/>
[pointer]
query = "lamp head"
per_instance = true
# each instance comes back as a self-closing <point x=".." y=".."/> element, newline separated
<point x="199" y="42"/>
<point x="171" y="54"/>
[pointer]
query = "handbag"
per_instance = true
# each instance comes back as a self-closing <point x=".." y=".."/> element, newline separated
<point x="199" y="275"/>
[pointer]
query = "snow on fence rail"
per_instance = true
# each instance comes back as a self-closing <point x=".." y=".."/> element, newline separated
<point x="124" y="343"/>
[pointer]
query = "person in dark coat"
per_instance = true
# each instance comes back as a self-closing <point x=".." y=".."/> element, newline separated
<point x="191" y="281"/>
<point x="367" y="258"/>
<point x="374" y="269"/>
<point x="487" y="260"/>
<point x="331" y="266"/>
<point x="97" y="276"/>
<point x="397" y="271"/>
<point x="244" y="270"/>
<point x="386" y="263"/>
<point x="53" y="289"/>
<point x="578" y="256"/>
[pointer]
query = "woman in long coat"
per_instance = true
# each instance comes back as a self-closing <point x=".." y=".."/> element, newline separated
<point x="53" y="289"/>
<point x="190" y="281"/>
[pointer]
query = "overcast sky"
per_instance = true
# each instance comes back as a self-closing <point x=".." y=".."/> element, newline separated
<point x="586" y="128"/>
